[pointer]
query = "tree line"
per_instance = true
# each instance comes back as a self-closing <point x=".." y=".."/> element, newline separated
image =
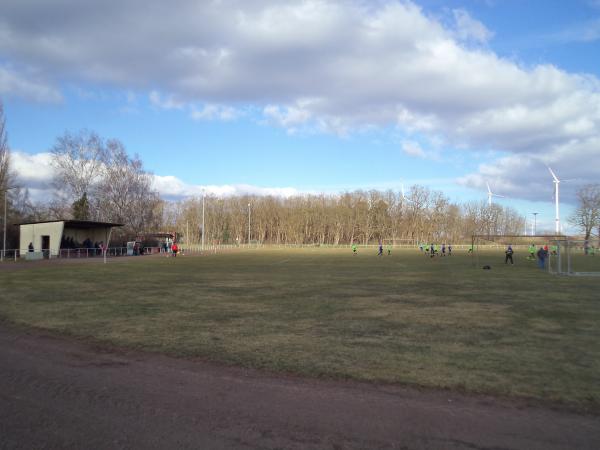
<point x="363" y="217"/>
<point x="96" y="179"/>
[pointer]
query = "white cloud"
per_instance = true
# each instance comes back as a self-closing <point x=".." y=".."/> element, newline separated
<point x="16" y="84"/>
<point x="35" y="172"/>
<point x="584" y="32"/>
<point x="412" y="148"/>
<point x="526" y="175"/>
<point x="214" y="112"/>
<point x="291" y="117"/>
<point x="325" y="65"/>
<point x="165" y="102"/>
<point x="173" y="188"/>
<point x="468" y="28"/>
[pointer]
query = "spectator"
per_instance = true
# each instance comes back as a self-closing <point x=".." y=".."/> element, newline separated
<point x="542" y="254"/>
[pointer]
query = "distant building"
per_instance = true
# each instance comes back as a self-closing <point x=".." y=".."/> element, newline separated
<point x="48" y="237"/>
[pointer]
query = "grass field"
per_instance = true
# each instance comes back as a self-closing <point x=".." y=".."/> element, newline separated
<point x="404" y="318"/>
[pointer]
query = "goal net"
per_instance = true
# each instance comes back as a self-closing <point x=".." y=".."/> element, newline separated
<point x="398" y="242"/>
<point x="575" y="257"/>
<point x="490" y="250"/>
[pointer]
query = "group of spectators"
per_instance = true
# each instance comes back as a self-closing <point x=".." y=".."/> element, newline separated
<point x="70" y="243"/>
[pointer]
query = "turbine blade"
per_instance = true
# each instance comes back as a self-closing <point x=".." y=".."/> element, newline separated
<point x="553" y="175"/>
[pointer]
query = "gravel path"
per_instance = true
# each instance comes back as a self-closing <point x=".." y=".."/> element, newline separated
<point x="62" y="393"/>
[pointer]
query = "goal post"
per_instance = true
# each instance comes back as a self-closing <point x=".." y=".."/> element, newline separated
<point x="398" y="242"/>
<point x="575" y="257"/>
<point x="489" y="249"/>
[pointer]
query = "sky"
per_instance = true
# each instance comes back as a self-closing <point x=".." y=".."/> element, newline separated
<point x="290" y="97"/>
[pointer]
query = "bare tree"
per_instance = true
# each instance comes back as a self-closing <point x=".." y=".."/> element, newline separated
<point x="587" y="215"/>
<point x="79" y="160"/>
<point x="124" y="193"/>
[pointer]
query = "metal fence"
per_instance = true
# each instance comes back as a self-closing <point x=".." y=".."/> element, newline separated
<point x="192" y="249"/>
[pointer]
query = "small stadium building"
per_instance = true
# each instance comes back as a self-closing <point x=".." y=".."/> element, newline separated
<point x="48" y="237"/>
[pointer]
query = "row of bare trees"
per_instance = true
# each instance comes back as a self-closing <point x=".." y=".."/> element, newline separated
<point x="354" y="217"/>
<point x="96" y="179"/>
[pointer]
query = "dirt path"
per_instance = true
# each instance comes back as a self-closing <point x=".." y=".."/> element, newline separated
<point x="60" y="393"/>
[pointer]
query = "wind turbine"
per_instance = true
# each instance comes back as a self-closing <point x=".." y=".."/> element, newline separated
<point x="404" y="198"/>
<point x="491" y="194"/>
<point x="556" y="183"/>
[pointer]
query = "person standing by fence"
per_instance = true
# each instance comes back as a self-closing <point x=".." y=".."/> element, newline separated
<point x="542" y="254"/>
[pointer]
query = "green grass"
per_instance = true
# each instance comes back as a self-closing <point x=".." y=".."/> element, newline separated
<point x="510" y="331"/>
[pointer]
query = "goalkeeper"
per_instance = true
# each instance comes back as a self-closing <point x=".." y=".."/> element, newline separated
<point x="509" y="255"/>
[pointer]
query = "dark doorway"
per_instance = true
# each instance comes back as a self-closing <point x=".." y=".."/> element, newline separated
<point x="46" y="246"/>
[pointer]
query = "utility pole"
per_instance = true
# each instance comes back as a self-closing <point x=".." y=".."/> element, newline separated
<point x="535" y="223"/>
<point x="248" y="225"/>
<point x="4" y="234"/>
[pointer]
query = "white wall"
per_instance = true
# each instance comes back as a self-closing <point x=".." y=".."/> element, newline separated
<point x="33" y="233"/>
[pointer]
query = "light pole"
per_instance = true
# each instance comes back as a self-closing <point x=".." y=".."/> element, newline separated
<point x="535" y="223"/>
<point x="4" y="233"/>
<point x="248" y="225"/>
<point x="203" y="220"/>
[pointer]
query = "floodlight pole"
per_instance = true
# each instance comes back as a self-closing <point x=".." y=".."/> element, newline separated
<point x="535" y="223"/>
<point x="4" y="232"/>
<point x="248" y="225"/>
<point x="203" y="220"/>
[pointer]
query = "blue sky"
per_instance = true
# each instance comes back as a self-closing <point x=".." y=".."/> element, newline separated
<point x="315" y="96"/>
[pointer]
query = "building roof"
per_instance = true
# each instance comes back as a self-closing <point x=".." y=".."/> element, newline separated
<point x="77" y="223"/>
<point x="156" y="235"/>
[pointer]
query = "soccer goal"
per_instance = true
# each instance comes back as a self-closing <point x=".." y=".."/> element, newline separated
<point x="398" y="242"/>
<point x="490" y="249"/>
<point x="574" y="257"/>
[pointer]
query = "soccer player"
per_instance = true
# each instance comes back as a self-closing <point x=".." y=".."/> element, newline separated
<point x="389" y="249"/>
<point x="509" y="255"/>
<point x="354" y="249"/>
<point x="432" y="250"/>
<point x="449" y="249"/>
<point x="531" y="252"/>
<point x="592" y="250"/>
<point x="470" y="249"/>
<point x="554" y="249"/>
<point x="380" y="250"/>
<point x="443" y="249"/>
